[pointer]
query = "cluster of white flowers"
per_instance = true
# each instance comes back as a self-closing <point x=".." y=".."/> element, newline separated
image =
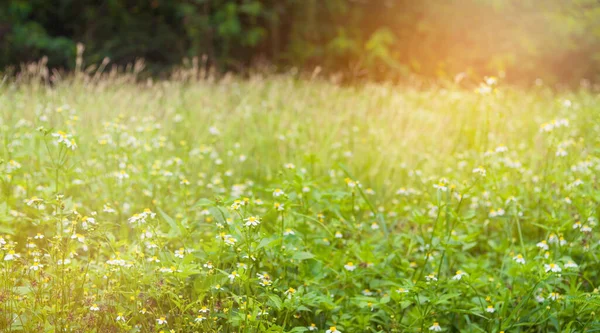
<point x="65" y="139"/>
<point x="142" y="217"/>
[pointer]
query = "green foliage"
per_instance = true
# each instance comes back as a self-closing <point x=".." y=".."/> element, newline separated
<point x="272" y="205"/>
<point x="558" y="41"/>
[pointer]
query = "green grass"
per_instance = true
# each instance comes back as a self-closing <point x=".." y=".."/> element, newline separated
<point x="384" y="199"/>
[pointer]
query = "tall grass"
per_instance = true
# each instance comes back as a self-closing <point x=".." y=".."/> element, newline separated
<point x="277" y="204"/>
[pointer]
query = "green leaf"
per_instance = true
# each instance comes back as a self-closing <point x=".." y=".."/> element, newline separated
<point x="303" y="256"/>
<point x="174" y="229"/>
<point x="275" y="301"/>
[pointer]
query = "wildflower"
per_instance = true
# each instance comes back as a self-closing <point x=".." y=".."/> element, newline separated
<point x="290" y="292"/>
<point x="562" y="241"/>
<point x="332" y="329"/>
<point x="11" y="255"/>
<point x="435" y="327"/>
<point x="86" y="221"/>
<point x="459" y="274"/>
<point x="501" y="149"/>
<point x="12" y="166"/>
<point x="576" y="183"/>
<point x="571" y="264"/>
<point x="351" y="183"/>
<point x="549" y="127"/>
<point x="36" y="266"/>
<point x="495" y="213"/>
<point x="490" y="309"/>
<point x="367" y="292"/>
<point x="490" y="80"/>
<point x="278" y="193"/>
<point x="313" y="327"/>
<point x="142" y="217"/>
<point x="431" y="277"/>
<point x="441" y="185"/>
<point x="232" y="276"/>
<point x="161" y="320"/>
<point x="289" y="166"/>
<point x="200" y="318"/>
<point x="120" y="317"/>
<point x="94" y="307"/>
<point x="552" y="267"/>
<point x="236" y="205"/>
<point x="519" y="259"/>
<point x="586" y="228"/>
<point x="265" y="282"/>
<point x="153" y="259"/>
<point x="350" y="266"/>
<point x="288" y="232"/>
<point x="338" y="235"/>
<point x="179" y="253"/>
<point x="121" y="175"/>
<point x="230" y="241"/>
<point x="63" y="262"/>
<point x="65" y="139"/>
<point x="402" y="191"/>
<point x="401" y="290"/>
<point x="203" y="309"/>
<point x="108" y="209"/>
<point x="554" y="296"/>
<point x="79" y="237"/>
<point x="480" y="171"/>
<point x="561" y="152"/>
<point x="252" y="221"/>
<point x="542" y="245"/>
<point x="38" y="236"/>
<point x="171" y="269"/>
<point x="278" y="206"/>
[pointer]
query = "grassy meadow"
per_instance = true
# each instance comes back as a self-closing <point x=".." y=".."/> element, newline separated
<point x="274" y="204"/>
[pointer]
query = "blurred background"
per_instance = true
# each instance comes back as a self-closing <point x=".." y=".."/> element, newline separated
<point x="557" y="41"/>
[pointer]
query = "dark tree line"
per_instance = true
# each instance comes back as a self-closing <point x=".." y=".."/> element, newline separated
<point x="556" y="40"/>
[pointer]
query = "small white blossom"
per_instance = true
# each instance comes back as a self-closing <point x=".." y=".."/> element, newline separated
<point x="435" y="327"/>
<point x="350" y="266"/>
<point x="555" y="268"/>
<point x="459" y="275"/>
<point x="519" y="259"/>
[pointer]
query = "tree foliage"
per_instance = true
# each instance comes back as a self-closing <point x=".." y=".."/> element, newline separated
<point x="552" y="39"/>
